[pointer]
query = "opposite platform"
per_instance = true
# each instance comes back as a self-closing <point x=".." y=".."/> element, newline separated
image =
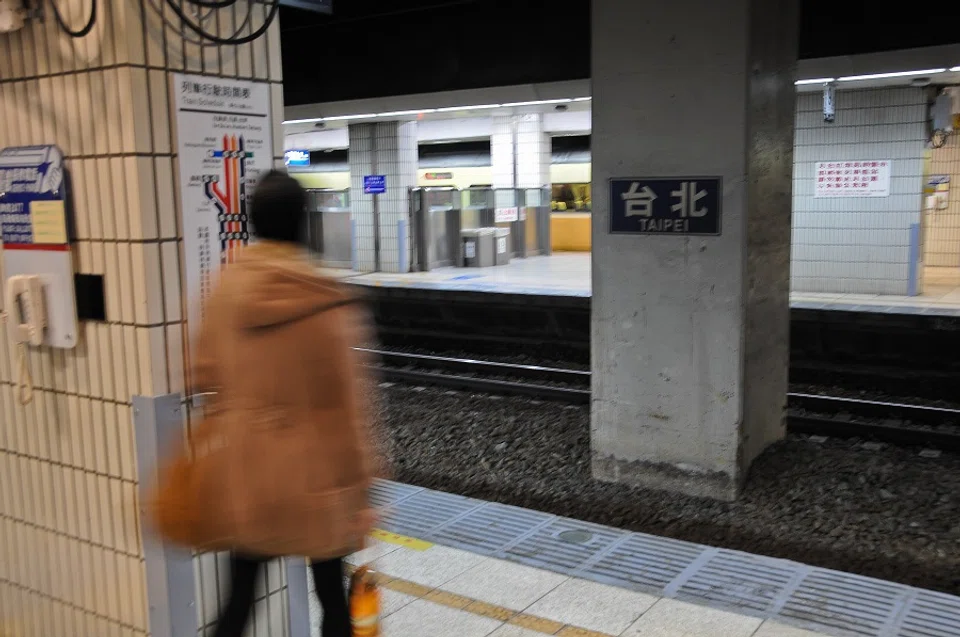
<point x="569" y="274"/>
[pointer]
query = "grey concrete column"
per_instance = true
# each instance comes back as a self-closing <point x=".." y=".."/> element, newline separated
<point x="690" y="333"/>
<point x="381" y="233"/>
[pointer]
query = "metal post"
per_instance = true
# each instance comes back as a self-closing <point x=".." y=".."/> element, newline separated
<point x="297" y="598"/>
<point x="518" y="234"/>
<point x="171" y="592"/>
<point x="374" y="170"/>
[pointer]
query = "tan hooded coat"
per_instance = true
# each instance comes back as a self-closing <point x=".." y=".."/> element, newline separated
<point x="297" y="461"/>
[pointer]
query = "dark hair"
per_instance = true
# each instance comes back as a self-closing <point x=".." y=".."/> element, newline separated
<point x="278" y="208"/>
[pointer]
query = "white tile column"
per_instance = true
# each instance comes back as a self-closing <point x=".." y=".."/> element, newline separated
<point x="106" y="101"/>
<point x="520" y="151"/>
<point x="381" y="222"/>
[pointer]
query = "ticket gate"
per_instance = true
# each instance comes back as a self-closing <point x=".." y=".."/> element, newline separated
<point x="329" y="229"/>
<point x="436" y="223"/>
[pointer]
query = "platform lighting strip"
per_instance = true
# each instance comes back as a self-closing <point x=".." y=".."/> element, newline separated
<point x="445" y="109"/>
<point x="875" y="76"/>
<point x="568" y="100"/>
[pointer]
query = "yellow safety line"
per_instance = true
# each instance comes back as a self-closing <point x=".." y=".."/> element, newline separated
<point x="400" y="540"/>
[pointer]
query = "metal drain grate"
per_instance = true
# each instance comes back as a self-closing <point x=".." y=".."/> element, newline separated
<point x="644" y="563"/>
<point x="738" y="580"/>
<point x="490" y="528"/>
<point x="858" y="605"/>
<point x="547" y="549"/>
<point x="386" y="493"/>
<point x="931" y="615"/>
<point x="824" y="601"/>
<point x="424" y="511"/>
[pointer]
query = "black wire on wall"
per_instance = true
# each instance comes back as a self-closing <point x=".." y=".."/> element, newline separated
<point x="62" y="23"/>
<point x="195" y="25"/>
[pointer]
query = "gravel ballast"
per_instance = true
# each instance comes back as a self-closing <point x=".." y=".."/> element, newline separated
<point x="889" y="513"/>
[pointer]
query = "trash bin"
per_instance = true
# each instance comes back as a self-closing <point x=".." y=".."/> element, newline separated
<point x="478" y="249"/>
<point x="503" y="247"/>
<point x="468" y="252"/>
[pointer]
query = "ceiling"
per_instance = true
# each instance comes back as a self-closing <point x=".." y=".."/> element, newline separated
<point x="370" y="48"/>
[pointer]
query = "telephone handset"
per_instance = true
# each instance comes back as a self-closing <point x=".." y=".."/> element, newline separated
<point x="25" y="302"/>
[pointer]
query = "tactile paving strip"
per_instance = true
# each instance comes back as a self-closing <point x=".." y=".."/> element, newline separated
<point x="821" y="600"/>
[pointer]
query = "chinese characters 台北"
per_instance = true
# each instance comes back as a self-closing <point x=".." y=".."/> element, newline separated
<point x="685" y="203"/>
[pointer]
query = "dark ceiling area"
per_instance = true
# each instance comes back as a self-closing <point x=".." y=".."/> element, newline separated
<point x="374" y="48"/>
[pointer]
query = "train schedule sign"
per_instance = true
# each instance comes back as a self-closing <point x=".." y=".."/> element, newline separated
<point x="666" y="206"/>
<point x="856" y="178"/>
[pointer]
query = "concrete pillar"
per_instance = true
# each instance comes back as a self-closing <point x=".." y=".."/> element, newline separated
<point x="76" y="562"/>
<point x="690" y="333"/>
<point x="381" y="231"/>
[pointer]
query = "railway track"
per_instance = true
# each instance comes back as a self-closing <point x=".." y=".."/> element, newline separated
<point x="532" y="381"/>
<point x="881" y="421"/>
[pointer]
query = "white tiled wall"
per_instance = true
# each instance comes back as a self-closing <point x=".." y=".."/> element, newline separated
<point x="389" y="149"/>
<point x="533" y="152"/>
<point x="71" y="560"/>
<point x="857" y="245"/>
<point x="527" y="165"/>
<point x="941" y="246"/>
<point x="501" y="152"/>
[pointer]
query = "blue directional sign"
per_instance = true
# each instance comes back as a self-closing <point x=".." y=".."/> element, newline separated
<point x="374" y="184"/>
<point x="299" y="158"/>
<point x="677" y="205"/>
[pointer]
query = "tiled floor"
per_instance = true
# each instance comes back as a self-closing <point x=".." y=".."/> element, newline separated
<point x="486" y="569"/>
<point x="568" y="274"/>
<point x="444" y="592"/>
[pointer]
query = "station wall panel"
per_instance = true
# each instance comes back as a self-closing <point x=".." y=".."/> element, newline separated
<point x="941" y="219"/>
<point x="858" y="245"/>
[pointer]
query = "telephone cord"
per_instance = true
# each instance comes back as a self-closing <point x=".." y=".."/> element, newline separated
<point x="24" y="378"/>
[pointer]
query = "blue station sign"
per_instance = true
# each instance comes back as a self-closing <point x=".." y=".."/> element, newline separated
<point x="374" y="184"/>
<point x="33" y="196"/>
<point x="666" y="206"/>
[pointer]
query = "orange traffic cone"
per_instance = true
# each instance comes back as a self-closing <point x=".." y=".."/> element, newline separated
<point x="365" y="603"/>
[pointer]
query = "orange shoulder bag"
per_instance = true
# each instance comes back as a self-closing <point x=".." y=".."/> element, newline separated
<point x="180" y="504"/>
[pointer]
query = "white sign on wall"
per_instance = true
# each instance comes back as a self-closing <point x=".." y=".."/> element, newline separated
<point x="860" y="178"/>
<point x="506" y="215"/>
<point x="224" y="141"/>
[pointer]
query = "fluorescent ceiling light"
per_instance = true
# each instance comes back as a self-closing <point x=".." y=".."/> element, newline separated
<point x="955" y="69"/>
<point x="476" y="107"/>
<point x="420" y="111"/>
<point x="882" y="76"/>
<point x="537" y="103"/>
<point x="818" y="80"/>
<point x="341" y="118"/>
<point x="335" y="118"/>
<point x="445" y="109"/>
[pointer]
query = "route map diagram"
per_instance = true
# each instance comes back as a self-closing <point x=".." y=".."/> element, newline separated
<point x="224" y="143"/>
<point x="230" y="196"/>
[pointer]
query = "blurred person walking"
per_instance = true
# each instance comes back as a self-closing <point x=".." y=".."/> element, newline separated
<point x="285" y="459"/>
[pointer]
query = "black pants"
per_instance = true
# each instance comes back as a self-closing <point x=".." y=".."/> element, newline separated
<point x="327" y="576"/>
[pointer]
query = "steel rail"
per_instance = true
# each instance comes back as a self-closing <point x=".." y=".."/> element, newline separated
<point x="811" y="414"/>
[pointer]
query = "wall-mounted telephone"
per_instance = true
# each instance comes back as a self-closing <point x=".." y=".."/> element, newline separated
<point x="25" y="303"/>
